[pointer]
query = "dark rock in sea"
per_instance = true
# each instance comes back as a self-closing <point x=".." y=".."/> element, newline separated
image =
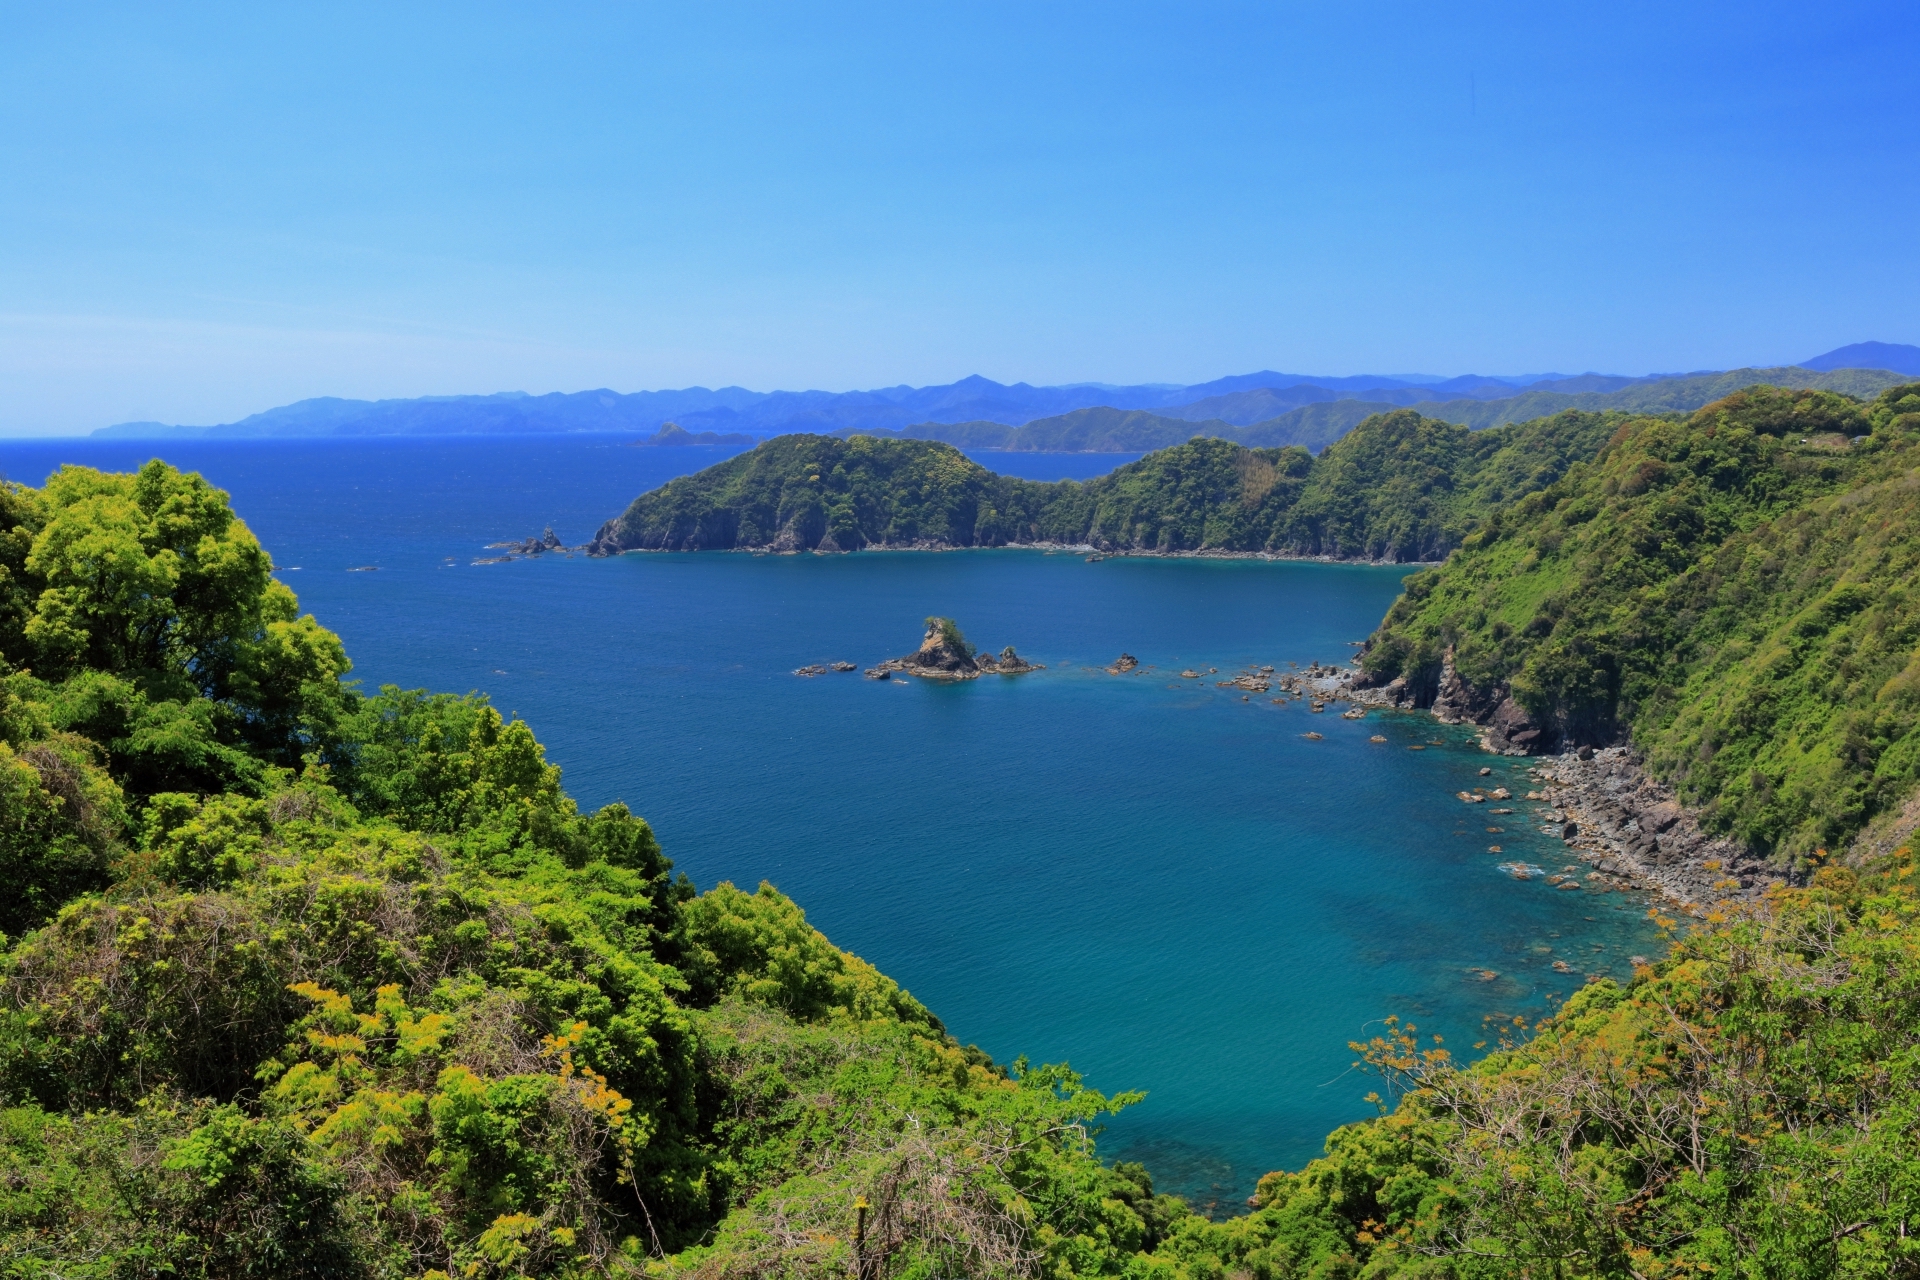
<point x="547" y="541"/>
<point x="1457" y="701"/>
<point x="1125" y="663"/>
<point x="843" y="666"/>
<point x="1009" y="663"/>
<point x="942" y="655"/>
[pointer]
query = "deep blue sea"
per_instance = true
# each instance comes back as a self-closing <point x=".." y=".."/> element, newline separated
<point x="1160" y="881"/>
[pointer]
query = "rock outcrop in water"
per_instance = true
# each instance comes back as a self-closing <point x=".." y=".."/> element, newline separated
<point x="1009" y="663"/>
<point x="547" y="541"/>
<point x="944" y="654"/>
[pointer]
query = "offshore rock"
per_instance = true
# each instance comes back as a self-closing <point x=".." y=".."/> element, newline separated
<point x="547" y="541"/>
<point x="1009" y="663"/>
<point x="937" y="658"/>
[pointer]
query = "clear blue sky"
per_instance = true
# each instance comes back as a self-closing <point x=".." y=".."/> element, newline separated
<point x="206" y="211"/>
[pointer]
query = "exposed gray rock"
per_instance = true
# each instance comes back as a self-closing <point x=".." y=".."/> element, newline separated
<point x="1626" y="823"/>
<point x="1459" y="702"/>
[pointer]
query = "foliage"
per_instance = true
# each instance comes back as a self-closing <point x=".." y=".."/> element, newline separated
<point x="404" y="1011"/>
<point x="1398" y="487"/>
<point x="60" y="814"/>
<point x="1661" y="395"/>
<point x="397" y="1007"/>
<point x="155" y="631"/>
<point x="1733" y="590"/>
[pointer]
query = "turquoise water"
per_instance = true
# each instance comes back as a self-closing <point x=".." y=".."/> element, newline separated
<point x="1152" y="878"/>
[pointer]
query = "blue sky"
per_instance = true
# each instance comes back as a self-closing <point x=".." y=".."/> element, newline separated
<point x="206" y="211"/>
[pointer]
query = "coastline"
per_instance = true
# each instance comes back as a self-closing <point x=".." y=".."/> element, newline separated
<point x="1627" y="826"/>
<point x="1076" y="548"/>
<point x="1612" y="814"/>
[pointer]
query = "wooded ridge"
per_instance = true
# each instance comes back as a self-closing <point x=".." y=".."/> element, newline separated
<point x="1399" y="488"/>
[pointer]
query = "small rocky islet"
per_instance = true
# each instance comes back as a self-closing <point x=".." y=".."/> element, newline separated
<point x="1622" y="843"/>
<point x="524" y="548"/>
<point x="944" y="654"/>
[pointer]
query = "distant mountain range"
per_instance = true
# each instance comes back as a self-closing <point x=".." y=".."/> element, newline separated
<point x="1264" y="408"/>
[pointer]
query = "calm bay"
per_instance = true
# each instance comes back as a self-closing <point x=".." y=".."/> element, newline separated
<point x="1156" y="879"/>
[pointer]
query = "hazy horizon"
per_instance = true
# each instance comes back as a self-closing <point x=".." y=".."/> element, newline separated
<point x="213" y="211"/>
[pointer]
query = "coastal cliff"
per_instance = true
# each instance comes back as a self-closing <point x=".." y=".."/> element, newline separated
<point x="1726" y="599"/>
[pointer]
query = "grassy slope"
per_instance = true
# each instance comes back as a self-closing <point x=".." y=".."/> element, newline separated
<point x="1733" y="590"/>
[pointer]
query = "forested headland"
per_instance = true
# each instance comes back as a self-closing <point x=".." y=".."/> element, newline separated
<point x="302" y="981"/>
<point x="1734" y="592"/>
<point x="1399" y="487"/>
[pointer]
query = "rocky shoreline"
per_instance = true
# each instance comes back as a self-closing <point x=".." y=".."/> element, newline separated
<point x="1627" y="825"/>
<point x="1630" y="827"/>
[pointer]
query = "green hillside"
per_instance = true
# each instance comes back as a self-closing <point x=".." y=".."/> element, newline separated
<point x="1398" y="487"/>
<point x="301" y="982"/>
<point x="1315" y="426"/>
<point x="1102" y="430"/>
<point x="1735" y="590"/>
<point x="298" y="982"/>
<point x="1667" y="395"/>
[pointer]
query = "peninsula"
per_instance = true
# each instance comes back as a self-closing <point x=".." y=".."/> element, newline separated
<point x="1399" y="488"/>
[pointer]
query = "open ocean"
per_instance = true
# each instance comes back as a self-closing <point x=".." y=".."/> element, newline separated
<point x="1154" y="879"/>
